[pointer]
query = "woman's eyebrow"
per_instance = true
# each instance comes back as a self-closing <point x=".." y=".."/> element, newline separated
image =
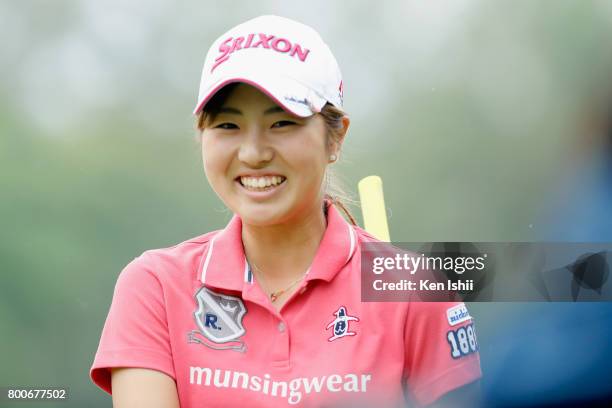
<point x="273" y="109"/>
<point x="227" y="109"/>
<point x="234" y="111"/>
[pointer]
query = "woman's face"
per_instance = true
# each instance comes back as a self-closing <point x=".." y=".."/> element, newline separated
<point x="266" y="165"/>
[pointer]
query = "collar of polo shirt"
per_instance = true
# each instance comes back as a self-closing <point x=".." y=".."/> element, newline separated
<point x="224" y="265"/>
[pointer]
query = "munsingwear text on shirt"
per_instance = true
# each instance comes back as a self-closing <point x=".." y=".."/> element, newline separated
<point x="292" y="389"/>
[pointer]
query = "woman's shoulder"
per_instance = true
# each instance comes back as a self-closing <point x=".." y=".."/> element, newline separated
<point x="375" y="248"/>
<point x="167" y="262"/>
<point x="186" y="246"/>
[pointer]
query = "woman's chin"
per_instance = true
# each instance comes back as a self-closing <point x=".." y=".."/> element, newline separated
<point x="260" y="215"/>
<point x="259" y="221"/>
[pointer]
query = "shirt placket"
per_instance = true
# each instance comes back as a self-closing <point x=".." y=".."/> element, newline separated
<point x="280" y="350"/>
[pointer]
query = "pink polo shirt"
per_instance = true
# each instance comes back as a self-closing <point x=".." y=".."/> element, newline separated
<point x="194" y="312"/>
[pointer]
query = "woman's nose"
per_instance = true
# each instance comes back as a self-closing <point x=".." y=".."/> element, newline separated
<point x="255" y="148"/>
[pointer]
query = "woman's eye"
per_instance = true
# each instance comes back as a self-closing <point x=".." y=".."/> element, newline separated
<point x="226" y="125"/>
<point x="283" y="123"/>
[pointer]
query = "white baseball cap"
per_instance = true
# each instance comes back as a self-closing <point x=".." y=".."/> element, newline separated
<point x="286" y="60"/>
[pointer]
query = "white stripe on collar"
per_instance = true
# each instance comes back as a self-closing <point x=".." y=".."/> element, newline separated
<point x="208" y="255"/>
<point x="352" y="235"/>
<point x="248" y="275"/>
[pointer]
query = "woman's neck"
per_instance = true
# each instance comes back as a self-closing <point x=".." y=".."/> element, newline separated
<point x="285" y="251"/>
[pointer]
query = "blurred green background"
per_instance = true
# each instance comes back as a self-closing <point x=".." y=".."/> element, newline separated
<point x="468" y="110"/>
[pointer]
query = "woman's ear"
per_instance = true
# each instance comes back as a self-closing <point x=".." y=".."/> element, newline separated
<point x="336" y="145"/>
<point x="346" y="121"/>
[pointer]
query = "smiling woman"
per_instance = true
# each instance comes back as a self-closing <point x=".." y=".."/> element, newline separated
<point x="251" y="141"/>
<point x="264" y="163"/>
<point x="268" y="310"/>
<point x="333" y="118"/>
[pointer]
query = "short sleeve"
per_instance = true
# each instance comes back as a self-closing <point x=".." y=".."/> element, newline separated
<point x="441" y="350"/>
<point x="135" y="333"/>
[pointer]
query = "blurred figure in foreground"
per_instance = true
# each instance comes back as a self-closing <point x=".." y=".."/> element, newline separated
<point x="560" y="354"/>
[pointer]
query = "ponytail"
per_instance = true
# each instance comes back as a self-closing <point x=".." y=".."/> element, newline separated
<point x="334" y="192"/>
<point x="338" y="204"/>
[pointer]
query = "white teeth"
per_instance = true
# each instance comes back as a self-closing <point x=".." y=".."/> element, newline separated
<point x="261" y="182"/>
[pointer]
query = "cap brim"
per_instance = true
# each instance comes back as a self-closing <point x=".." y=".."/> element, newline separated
<point x="289" y="94"/>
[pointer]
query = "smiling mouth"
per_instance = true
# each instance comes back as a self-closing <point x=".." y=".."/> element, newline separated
<point x="261" y="183"/>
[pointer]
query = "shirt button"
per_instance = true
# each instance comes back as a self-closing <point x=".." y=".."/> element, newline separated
<point x="281" y="327"/>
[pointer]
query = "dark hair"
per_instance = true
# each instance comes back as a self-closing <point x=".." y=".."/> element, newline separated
<point x="332" y="116"/>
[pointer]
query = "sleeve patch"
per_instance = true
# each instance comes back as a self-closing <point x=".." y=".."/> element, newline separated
<point x="458" y="314"/>
<point x="462" y="341"/>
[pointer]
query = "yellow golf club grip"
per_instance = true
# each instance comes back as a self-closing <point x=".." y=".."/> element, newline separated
<point x="373" y="207"/>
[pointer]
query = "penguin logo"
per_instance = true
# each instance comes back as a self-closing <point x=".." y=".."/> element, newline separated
<point x="341" y="324"/>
